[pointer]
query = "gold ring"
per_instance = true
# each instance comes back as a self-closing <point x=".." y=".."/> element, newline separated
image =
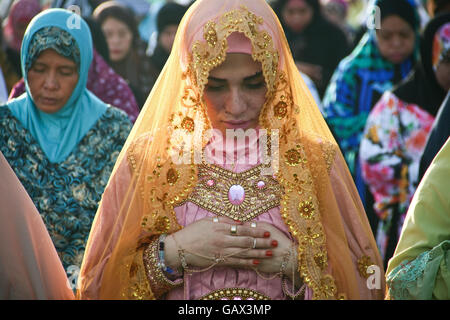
<point x="233" y="230"/>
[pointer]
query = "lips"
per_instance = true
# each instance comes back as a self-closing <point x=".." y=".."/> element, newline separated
<point x="398" y="57"/>
<point x="49" y="101"/>
<point x="236" y="124"/>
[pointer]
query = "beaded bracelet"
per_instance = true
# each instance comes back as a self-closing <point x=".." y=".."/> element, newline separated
<point x="161" y="255"/>
<point x="159" y="282"/>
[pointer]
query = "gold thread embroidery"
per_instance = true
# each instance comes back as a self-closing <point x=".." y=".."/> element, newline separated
<point x="172" y="176"/>
<point x="188" y="124"/>
<point x="293" y="157"/>
<point x="235" y="293"/>
<point x="280" y="110"/>
<point x="306" y="209"/>
<point x="261" y="193"/>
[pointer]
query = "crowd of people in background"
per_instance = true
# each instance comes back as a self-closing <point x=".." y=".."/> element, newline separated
<point x="380" y="81"/>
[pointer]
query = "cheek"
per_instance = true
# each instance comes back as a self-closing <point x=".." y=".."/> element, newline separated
<point x="213" y="106"/>
<point x="35" y="82"/>
<point x="443" y="75"/>
<point x="409" y="44"/>
<point x="69" y="86"/>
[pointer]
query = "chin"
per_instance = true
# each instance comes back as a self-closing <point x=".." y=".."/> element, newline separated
<point x="49" y="109"/>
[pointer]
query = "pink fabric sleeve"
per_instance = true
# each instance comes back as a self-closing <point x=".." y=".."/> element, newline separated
<point x="30" y="267"/>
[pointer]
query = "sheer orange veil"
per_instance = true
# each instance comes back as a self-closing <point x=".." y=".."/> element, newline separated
<point x="156" y="169"/>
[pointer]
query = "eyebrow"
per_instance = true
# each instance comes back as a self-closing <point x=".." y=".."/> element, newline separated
<point x="249" y="78"/>
<point x="39" y="63"/>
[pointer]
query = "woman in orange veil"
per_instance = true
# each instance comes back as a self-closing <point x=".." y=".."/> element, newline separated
<point x="180" y="220"/>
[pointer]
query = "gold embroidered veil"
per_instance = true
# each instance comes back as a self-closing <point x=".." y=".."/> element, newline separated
<point x="147" y="183"/>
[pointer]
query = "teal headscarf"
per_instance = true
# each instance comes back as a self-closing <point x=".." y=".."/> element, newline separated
<point x="59" y="133"/>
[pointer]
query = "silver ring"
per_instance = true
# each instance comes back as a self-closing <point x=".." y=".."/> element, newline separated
<point x="233" y="230"/>
<point x="216" y="219"/>
<point x="253" y="225"/>
<point x="254" y="243"/>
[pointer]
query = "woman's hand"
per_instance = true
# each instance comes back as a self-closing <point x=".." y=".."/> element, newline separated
<point x="206" y="242"/>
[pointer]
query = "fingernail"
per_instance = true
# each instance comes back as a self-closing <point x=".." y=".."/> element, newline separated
<point x="255" y="262"/>
<point x="269" y="253"/>
<point x="266" y="234"/>
<point x="274" y="243"/>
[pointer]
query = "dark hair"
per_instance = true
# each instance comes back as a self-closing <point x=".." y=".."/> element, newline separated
<point x="170" y="14"/>
<point x="98" y="37"/>
<point x="401" y="8"/>
<point x="278" y="6"/>
<point x="114" y="9"/>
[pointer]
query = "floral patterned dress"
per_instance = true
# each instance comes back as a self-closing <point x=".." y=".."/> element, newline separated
<point x="394" y="139"/>
<point x="67" y="193"/>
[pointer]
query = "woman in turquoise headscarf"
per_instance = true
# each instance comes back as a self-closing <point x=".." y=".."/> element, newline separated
<point x="59" y="138"/>
<point x="385" y="55"/>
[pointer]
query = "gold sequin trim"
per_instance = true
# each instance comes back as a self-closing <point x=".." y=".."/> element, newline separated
<point x="235" y="293"/>
<point x="212" y="52"/>
<point x="159" y="283"/>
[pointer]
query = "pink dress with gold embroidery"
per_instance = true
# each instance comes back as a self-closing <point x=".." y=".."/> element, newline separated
<point x="200" y="285"/>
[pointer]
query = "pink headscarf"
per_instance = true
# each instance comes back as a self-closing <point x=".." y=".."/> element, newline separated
<point x="20" y="14"/>
<point x="239" y="43"/>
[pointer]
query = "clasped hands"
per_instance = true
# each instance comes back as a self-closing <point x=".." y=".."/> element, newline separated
<point x="225" y="242"/>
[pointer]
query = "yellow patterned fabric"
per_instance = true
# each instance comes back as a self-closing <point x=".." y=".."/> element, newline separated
<point x="151" y="178"/>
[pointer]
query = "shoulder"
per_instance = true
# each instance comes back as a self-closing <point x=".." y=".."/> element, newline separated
<point x="113" y="125"/>
<point x="4" y="111"/>
<point x="7" y="119"/>
<point x="116" y="114"/>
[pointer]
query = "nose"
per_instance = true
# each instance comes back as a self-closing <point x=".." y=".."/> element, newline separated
<point x="235" y="103"/>
<point x="51" y="81"/>
<point x="396" y="42"/>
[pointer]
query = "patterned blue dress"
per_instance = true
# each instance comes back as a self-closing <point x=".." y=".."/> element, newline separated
<point x="66" y="193"/>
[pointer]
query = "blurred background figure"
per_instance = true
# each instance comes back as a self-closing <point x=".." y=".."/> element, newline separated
<point x="20" y="14"/>
<point x="436" y="7"/>
<point x="103" y="81"/>
<point x="60" y="139"/>
<point x="337" y="12"/>
<point x="382" y="59"/>
<point x="148" y="25"/>
<point x="126" y="49"/>
<point x="438" y="135"/>
<point x="86" y="6"/>
<point x="396" y="133"/>
<point x="317" y="44"/>
<point x="168" y="19"/>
